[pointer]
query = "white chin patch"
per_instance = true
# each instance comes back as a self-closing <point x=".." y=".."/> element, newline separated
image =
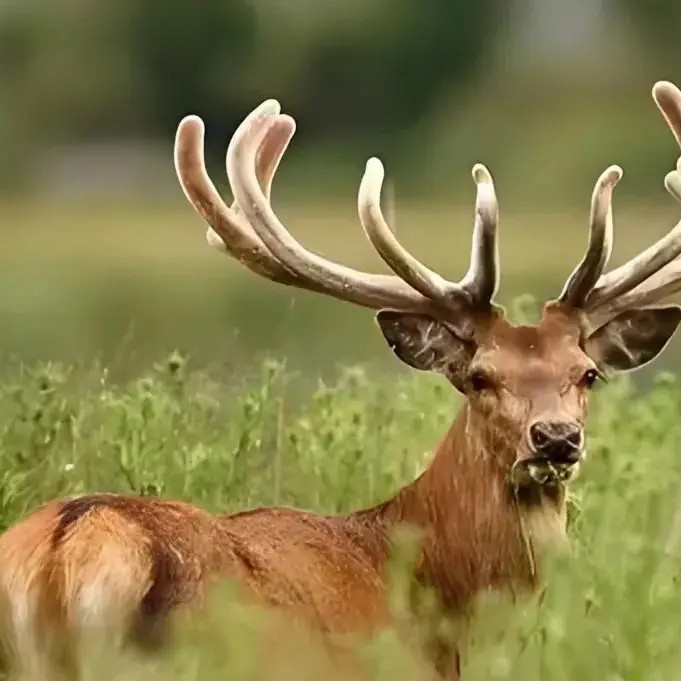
<point x="545" y="472"/>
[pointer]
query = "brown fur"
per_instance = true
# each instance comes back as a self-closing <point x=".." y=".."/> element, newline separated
<point x="122" y="564"/>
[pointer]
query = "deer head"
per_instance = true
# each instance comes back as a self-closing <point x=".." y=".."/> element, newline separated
<point x="526" y="386"/>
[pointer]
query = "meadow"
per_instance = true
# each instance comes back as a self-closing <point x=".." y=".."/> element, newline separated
<point x="611" y="607"/>
<point x="288" y="399"/>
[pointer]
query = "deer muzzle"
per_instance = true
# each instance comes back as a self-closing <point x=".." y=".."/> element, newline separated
<point x="556" y="450"/>
<point x="558" y="442"/>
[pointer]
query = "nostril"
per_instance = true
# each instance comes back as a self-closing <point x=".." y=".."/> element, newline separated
<point x="572" y="456"/>
<point x="574" y="437"/>
<point x="558" y="441"/>
<point x="538" y="436"/>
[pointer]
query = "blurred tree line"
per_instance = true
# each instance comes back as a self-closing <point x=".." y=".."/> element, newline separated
<point x="79" y="69"/>
<point x="659" y="21"/>
<point x="92" y="69"/>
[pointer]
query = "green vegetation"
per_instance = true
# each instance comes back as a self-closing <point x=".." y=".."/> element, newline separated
<point x="611" y="608"/>
<point x="126" y="283"/>
<point x="136" y="68"/>
<point x="106" y="284"/>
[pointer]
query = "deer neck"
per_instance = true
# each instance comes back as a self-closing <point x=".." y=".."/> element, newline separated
<point x="478" y="531"/>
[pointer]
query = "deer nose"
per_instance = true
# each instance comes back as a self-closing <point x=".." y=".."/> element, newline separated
<point x="558" y="441"/>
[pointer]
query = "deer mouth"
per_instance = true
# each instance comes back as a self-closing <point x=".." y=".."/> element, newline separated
<point x="541" y="470"/>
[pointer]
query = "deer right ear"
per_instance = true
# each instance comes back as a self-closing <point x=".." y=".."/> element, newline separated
<point x="427" y="344"/>
<point x="633" y="338"/>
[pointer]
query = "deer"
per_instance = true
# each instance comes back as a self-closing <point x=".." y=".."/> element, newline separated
<point x="489" y="504"/>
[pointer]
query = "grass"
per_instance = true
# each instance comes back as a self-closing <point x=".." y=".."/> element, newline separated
<point x="611" y="607"/>
<point x="103" y="289"/>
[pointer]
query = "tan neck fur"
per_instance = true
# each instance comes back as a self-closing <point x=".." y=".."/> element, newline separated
<point x="478" y="533"/>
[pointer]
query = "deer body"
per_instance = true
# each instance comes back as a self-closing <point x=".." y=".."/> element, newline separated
<point x="121" y="565"/>
<point x="492" y="498"/>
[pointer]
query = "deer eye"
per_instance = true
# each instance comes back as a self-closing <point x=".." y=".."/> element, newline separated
<point x="479" y="380"/>
<point x="590" y="377"/>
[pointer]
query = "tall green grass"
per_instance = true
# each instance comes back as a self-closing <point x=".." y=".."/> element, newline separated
<point x="611" y="608"/>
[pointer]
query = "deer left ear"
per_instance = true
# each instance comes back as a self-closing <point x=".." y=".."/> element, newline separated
<point x="426" y="344"/>
<point x="633" y="338"/>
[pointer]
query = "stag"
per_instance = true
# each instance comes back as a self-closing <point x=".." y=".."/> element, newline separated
<point x="493" y="496"/>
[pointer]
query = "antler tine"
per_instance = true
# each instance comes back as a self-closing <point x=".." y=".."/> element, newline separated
<point x="672" y="181"/>
<point x="668" y="99"/>
<point x="661" y="284"/>
<point x="228" y="231"/>
<point x="637" y="270"/>
<point x="586" y="274"/>
<point x="482" y="279"/>
<point x="370" y="290"/>
<point x="656" y="272"/>
<point x="628" y="276"/>
<point x="478" y="286"/>
<point x="250" y="230"/>
<point x="400" y="261"/>
<point x="664" y="283"/>
<point x="269" y="155"/>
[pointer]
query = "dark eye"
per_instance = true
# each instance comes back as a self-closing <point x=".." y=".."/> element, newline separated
<point x="479" y="381"/>
<point x="590" y="377"/>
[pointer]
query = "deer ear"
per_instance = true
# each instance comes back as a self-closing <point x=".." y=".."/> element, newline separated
<point x="426" y="344"/>
<point x="633" y="338"/>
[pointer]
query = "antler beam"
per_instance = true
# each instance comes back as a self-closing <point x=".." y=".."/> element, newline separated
<point x="250" y="230"/>
<point x="650" y="276"/>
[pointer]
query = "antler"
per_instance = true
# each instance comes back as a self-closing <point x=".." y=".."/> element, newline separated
<point x="650" y="276"/>
<point x="584" y="277"/>
<point x="250" y="231"/>
<point x="229" y="231"/>
<point x="479" y="285"/>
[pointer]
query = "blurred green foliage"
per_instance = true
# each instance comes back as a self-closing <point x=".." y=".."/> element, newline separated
<point x="349" y="71"/>
<point x="432" y="87"/>
<point x="658" y="21"/>
<point x="101" y="69"/>
<point x="124" y="282"/>
<point x="610" y="607"/>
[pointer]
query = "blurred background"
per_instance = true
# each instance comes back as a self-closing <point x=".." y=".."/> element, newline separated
<point x="101" y="257"/>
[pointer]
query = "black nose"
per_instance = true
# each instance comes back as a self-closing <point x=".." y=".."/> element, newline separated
<point x="558" y="441"/>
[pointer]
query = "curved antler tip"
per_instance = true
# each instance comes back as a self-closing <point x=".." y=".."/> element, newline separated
<point x="191" y="121"/>
<point x="283" y="123"/>
<point x="606" y="183"/>
<point x="672" y="183"/>
<point x="188" y="143"/>
<point x="665" y="88"/>
<point x="612" y="175"/>
<point x="374" y="168"/>
<point x="370" y="187"/>
<point x="481" y="175"/>
<point x="285" y="119"/>
<point x="270" y="107"/>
